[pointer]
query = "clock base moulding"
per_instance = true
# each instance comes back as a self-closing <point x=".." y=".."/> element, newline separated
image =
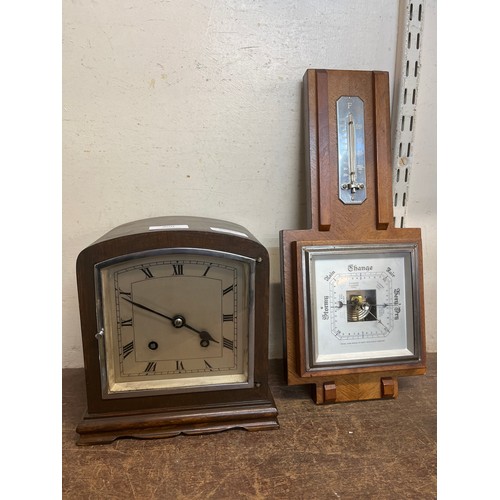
<point x="104" y="429"/>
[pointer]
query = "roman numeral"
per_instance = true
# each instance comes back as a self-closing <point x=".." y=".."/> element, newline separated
<point x="147" y="272"/>
<point x="228" y="317"/>
<point x="179" y="366"/>
<point x="127" y="349"/>
<point x="178" y="269"/>
<point x="227" y="343"/>
<point x="228" y="289"/>
<point x="151" y="367"/>
<point x="126" y="322"/>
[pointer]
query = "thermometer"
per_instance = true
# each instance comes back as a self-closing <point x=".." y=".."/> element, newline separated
<point x="351" y="150"/>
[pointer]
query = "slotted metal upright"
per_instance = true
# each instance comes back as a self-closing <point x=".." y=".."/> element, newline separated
<point x="404" y="109"/>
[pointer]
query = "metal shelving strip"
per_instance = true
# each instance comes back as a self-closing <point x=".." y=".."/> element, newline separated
<point x="404" y="110"/>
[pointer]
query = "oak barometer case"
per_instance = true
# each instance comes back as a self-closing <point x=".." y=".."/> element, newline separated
<point x="174" y="318"/>
<point x="352" y="283"/>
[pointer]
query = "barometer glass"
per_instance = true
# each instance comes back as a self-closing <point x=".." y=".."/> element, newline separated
<point x="361" y="304"/>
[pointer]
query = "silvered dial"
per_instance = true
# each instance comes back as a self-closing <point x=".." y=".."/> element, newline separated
<point x="360" y="304"/>
<point x="176" y="321"/>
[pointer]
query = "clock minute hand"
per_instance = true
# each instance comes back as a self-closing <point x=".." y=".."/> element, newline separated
<point x="146" y="308"/>
<point x="178" y="321"/>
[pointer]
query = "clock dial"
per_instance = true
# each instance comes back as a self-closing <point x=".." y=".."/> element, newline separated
<point x="176" y="321"/>
<point x="360" y="304"/>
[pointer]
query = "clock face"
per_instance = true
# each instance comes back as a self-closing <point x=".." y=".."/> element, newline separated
<point x="359" y="304"/>
<point x="177" y="320"/>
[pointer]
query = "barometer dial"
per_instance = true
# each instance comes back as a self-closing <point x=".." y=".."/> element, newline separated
<point x="360" y="304"/>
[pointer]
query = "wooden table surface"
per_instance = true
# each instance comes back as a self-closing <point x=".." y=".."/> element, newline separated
<point x="383" y="449"/>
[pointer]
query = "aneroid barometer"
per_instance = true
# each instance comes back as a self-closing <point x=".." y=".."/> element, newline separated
<point x="174" y="316"/>
<point x="352" y="283"/>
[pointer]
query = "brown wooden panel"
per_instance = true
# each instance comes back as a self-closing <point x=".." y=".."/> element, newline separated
<point x="325" y="170"/>
<point x="383" y="150"/>
<point x="332" y="222"/>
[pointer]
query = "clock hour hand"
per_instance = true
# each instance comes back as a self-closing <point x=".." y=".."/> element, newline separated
<point x="178" y="321"/>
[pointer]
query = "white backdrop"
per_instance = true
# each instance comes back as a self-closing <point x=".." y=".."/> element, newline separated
<point x="194" y="108"/>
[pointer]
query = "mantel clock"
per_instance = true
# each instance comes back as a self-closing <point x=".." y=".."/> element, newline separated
<point x="174" y="317"/>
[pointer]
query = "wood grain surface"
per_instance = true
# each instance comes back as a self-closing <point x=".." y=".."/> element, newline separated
<point x="384" y="449"/>
<point x="332" y="222"/>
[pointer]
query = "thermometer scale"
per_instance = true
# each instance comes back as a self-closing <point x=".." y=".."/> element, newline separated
<point x="351" y="150"/>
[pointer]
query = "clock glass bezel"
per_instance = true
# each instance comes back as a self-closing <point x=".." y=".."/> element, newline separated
<point x="203" y="381"/>
<point x="364" y="350"/>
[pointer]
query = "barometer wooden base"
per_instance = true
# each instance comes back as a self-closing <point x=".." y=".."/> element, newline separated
<point x="106" y="429"/>
<point x="362" y="387"/>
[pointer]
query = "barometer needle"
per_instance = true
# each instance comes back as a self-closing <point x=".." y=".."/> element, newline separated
<point x="380" y="322"/>
<point x="352" y="304"/>
<point x="205" y="336"/>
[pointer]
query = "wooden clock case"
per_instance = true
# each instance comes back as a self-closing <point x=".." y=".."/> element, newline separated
<point x="330" y="221"/>
<point x="167" y="415"/>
